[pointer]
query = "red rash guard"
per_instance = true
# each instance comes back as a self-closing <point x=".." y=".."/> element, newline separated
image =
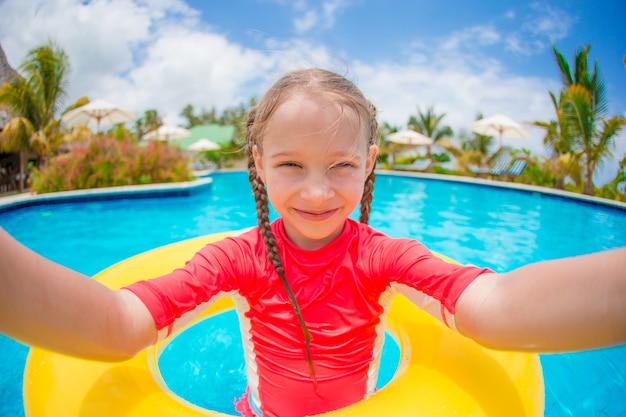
<point x="344" y="291"/>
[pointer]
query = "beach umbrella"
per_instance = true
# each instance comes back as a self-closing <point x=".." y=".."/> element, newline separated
<point x="410" y="137"/>
<point x="203" y="145"/>
<point x="167" y="132"/>
<point x="98" y="112"/>
<point x="501" y="126"/>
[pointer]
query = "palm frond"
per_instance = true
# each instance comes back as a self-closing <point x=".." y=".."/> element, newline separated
<point x="610" y="129"/>
<point x="15" y="136"/>
<point x="577" y="113"/>
<point x="46" y="69"/>
<point x="598" y="91"/>
<point x="563" y="65"/>
<point x="581" y="72"/>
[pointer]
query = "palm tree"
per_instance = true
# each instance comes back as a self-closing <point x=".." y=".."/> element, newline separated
<point x="475" y="148"/>
<point x="562" y="160"/>
<point x="387" y="151"/>
<point x="33" y="100"/>
<point x="150" y="121"/>
<point x="620" y="177"/>
<point x="584" y="107"/>
<point x="479" y="143"/>
<point x="236" y="116"/>
<point x="429" y="124"/>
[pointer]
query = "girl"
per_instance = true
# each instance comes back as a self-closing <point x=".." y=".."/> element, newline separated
<point x="312" y="288"/>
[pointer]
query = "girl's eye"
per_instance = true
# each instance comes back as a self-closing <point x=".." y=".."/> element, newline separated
<point x="288" y="164"/>
<point x="343" y="165"/>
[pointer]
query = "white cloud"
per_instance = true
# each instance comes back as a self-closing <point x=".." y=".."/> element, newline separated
<point x="471" y="38"/>
<point x="297" y="4"/>
<point x="549" y="22"/>
<point x="190" y="67"/>
<point x="314" y="16"/>
<point x="543" y="26"/>
<point x="330" y="9"/>
<point x="306" y="22"/>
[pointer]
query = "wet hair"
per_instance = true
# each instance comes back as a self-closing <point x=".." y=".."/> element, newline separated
<point x="316" y="82"/>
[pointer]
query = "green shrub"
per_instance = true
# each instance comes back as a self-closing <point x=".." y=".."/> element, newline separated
<point x="225" y="156"/>
<point x="535" y="175"/>
<point x="382" y="158"/>
<point x="441" y="157"/>
<point x="408" y="160"/>
<point x="610" y="191"/>
<point x="444" y="171"/>
<point x="109" y="162"/>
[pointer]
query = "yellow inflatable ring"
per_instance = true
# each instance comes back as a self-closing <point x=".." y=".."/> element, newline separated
<point x="440" y="374"/>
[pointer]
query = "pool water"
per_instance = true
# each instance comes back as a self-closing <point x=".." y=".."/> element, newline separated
<point x="498" y="228"/>
<point x="204" y="363"/>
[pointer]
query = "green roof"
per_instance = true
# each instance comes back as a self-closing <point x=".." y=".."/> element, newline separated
<point x="222" y="135"/>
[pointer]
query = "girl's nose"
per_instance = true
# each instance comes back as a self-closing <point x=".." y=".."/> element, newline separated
<point x="317" y="191"/>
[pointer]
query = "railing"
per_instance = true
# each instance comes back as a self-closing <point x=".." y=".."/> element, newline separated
<point x="9" y="183"/>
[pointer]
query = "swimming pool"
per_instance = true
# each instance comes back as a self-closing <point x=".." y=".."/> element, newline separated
<point x="498" y="228"/>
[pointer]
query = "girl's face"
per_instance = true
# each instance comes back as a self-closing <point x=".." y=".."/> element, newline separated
<point x="314" y="160"/>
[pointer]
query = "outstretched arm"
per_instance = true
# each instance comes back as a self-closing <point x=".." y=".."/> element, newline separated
<point x="553" y="306"/>
<point x="47" y="305"/>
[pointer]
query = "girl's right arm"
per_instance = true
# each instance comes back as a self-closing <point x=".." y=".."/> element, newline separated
<point x="47" y="305"/>
<point x="567" y="304"/>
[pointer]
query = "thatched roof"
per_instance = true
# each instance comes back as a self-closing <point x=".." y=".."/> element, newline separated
<point x="6" y="73"/>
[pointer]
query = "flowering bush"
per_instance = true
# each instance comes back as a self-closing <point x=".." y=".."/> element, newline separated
<point x="109" y="162"/>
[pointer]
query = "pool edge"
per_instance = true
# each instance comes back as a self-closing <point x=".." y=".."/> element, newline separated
<point x="174" y="189"/>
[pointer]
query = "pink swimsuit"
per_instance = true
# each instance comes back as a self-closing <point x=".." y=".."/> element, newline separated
<point x="344" y="291"/>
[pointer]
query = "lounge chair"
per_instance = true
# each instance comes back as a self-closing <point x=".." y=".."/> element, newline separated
<point x="517" y="167"/>
<point x="500" y="168"/>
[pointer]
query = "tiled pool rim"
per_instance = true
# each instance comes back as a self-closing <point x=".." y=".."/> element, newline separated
<point x="182" y="189"/>
<point x="553" y="192"/>
<point x="174" y="189"/>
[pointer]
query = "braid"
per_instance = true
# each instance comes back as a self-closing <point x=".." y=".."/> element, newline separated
<point x="368" y="187"/>
<point x="367" y="197"/>
<point x="262" y="209"/>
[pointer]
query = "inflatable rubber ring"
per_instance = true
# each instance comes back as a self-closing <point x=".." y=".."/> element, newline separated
<point x="440" y="373"/>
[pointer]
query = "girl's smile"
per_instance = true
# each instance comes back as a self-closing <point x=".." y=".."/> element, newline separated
<point x="315" y="215"/>
<point x="314" y="159"/>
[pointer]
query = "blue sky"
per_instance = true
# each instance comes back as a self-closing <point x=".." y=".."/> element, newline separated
<point x="462" y="57"/>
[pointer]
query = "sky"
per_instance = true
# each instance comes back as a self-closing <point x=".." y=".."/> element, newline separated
<point x="460" y="57"/>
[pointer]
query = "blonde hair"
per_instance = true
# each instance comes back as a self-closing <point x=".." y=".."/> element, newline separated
<point x="316" y="82"/>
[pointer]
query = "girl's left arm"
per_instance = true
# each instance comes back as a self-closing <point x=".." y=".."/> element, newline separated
<point x="45" y="304"/>
<point x="561" y="305"/>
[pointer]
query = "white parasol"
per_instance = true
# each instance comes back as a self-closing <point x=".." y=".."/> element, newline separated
<point x="203" y="145"/>
<point x="410" y="137"/>
<point x="98" y="112"/>
<point x="501" y="126"/>
<point x="167" y="132"/>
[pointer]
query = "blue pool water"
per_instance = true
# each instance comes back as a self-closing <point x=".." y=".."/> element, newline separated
<point x="204" y="364"/>
<point x="493" y="227"/>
